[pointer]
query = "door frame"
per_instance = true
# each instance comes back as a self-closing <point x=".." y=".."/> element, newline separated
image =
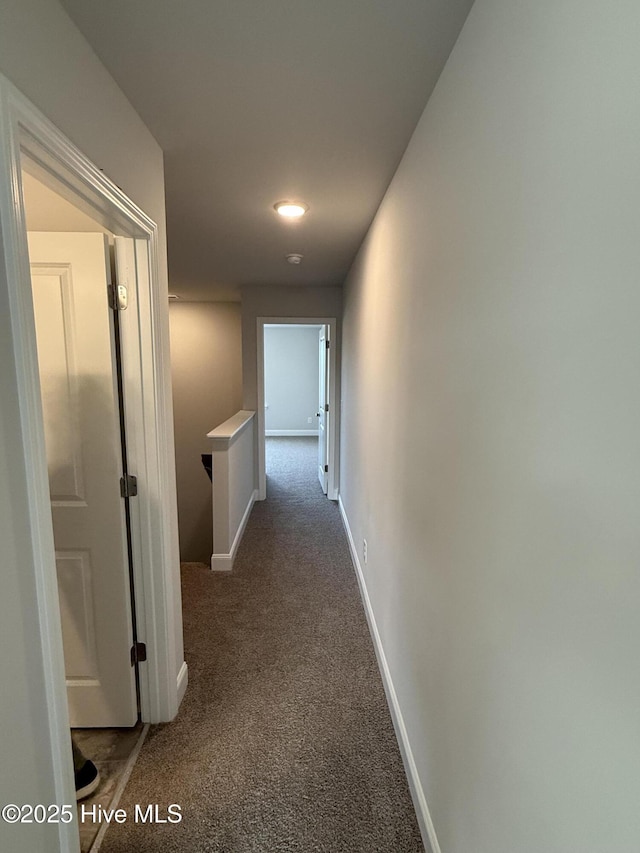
<point x="333" y="435"/>
<point x="28" y="138"/>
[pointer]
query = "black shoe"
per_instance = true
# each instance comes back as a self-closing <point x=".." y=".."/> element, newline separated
<point x="87" y="780"/>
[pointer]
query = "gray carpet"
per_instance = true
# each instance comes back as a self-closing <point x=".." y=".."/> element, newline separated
<point x="284" y="742"/>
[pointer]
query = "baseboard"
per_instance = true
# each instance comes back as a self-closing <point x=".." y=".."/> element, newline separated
<point x="427" y="829"/>
<point x="183" y="680"/>
<point x="119" y="790"/>
<point x="282" y="432"/>
<point x="224" y="562"/>
<point x="221" y="562"/>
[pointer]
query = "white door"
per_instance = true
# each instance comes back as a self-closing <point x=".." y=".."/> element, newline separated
<point x="76" y="354"/>
<point x="323" y="414"/>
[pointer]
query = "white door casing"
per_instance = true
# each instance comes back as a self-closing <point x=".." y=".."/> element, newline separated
<point x="332" y="425"/>
<point x="29" y="140"/>
<point x="77" y="365"/>
<point x="323" y="415"/>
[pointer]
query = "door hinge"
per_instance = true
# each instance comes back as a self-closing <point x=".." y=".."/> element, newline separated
<point x="326" y="407"/>
<point x="138" y="653"/>
<point x="328" y="344"/>
<point x="118" y="297"/>
<point x="128" y="486"/>
<point x="326" y="469"/>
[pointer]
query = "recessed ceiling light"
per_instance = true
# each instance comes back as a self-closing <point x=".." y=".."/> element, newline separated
<point x="291" y="209"/>
<point x="294" y="258"/>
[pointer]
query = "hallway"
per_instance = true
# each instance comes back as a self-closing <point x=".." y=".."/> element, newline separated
<point x="284" y="741"/>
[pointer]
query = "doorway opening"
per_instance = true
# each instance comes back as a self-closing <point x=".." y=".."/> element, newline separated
<point x="74" y="264"/>
<point x="294" y="393"/>
<point x="32" y="145"/>
<point x="72" y="259"/>
<point x="297" y="397"/>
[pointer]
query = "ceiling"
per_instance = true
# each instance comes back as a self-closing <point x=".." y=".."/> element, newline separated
<point x="255" y="101"/>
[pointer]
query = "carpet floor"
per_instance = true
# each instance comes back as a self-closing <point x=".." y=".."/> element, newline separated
<point x="283" y="743"/>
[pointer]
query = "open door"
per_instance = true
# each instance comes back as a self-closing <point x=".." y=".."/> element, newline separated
<point x="78" y="376"/>
<point x="323" y="408"/>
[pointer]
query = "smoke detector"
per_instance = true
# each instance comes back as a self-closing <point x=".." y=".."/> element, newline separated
<point x="293" y="258"/>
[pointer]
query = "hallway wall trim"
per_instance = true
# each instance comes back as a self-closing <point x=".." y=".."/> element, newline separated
<point x="224" y="562"/>
<point x="182" y="681"/>
<point x="427" y="828"/>
<point x="291" y="432"/>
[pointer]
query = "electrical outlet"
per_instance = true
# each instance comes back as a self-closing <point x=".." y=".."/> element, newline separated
<point x="309" y="421"/>
<point x="364" y="550"/>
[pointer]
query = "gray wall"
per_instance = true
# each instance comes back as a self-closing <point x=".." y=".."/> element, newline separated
<point x="280" y="301"/>
<point x="490" y="431"/>
<point x="206" y="368"/>
<point x="291" y="378"/>
<point x="45" y="56"/>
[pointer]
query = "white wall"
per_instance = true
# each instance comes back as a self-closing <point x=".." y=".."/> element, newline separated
<point x="44" y="55"/>
<point x="242" y="486"/>
<point x="291" y="378"/>
<point x="206" y="368"/>
<point x="491" y="423"/>
<point x="234" y="485"/>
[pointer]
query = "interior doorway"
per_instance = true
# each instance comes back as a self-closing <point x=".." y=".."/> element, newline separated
<point x="72" y="262"/>
<point x="295" y="388"/>
<point x="297" y="396"/>
<point x="30" y="143"/>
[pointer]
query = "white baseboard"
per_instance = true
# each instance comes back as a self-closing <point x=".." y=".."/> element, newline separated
<point x="119" y="791"/>
<point x="281" y="432"/>
<point x="183" y="680"/>
<point x="224" y="562"/>
<point x="427" y="829"/>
